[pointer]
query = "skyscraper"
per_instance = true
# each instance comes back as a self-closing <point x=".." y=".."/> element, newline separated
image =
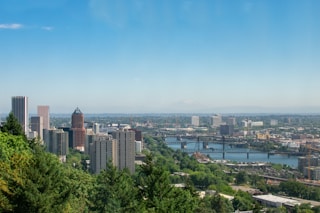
<point x="43" y="111"/>
<point x="37" y="125"/>
<point x="20" y="111"/>
<point x="126" y="149"/>
<point x="216" y="121"/>
<point x="79" y="132"/>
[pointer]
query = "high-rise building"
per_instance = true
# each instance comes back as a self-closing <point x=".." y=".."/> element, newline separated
<point x="195" y="121"/>
<point x="20" y="111"/>
<point x="126" y="149"/>
<point x="226" y="130"/>
<point x="231" y="121"/>
<point x="79" y="132"/>
<point x="138" y="137"/>
<point x="37" y="125"/>
<point x="96" y="128"/>
<point x="56" y="141"/>
<point x="102" y="149"/>
<point x="43" y="111"/>
<point x="216" y="121"/>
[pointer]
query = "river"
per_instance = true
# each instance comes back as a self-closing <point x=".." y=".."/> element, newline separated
<point x="257" y="156"/>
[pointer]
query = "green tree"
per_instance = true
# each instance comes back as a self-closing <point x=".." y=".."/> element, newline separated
<point x="158" y="195"/>
<point x="12" y="126"/>
<point x="114" y="191"/>
<point x="215" y="204"/>
<point x="81" y="184"/>
<point x="241" y="178"/>
<point x="15" y="154"/>
<point x="303" y="208"/>
<point x="243" y="201"/>
<point x="44" y="187"/>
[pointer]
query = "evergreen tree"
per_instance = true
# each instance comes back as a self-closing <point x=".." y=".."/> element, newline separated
<point x="12" y="126"/>
<point x="158" y="195"/>
<point x="114" y="191"/>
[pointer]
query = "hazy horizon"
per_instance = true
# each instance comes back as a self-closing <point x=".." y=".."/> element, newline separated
<point x="140" y="56"/>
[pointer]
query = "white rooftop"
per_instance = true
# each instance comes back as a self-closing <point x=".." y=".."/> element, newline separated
<point x="277" y="199"/>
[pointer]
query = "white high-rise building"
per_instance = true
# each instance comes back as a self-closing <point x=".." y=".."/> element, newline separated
<point x="195" y="121"/>
<point x="216" y="121"/>
<point x="20" y="111"/>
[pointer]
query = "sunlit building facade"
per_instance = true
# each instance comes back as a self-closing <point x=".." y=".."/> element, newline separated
<point x="78" y="130"/>
<point x="20" y="111"/>
<point x="43" y="111"/>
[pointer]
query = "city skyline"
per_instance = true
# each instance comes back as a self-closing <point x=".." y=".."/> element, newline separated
<point x="139" y="56"/>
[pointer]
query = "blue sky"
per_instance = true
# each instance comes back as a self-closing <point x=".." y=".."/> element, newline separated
<point x="144" y="56"/>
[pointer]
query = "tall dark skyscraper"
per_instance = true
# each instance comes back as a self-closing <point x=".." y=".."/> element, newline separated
<point x="79" y="132"/>
<point x="20" y="111"/>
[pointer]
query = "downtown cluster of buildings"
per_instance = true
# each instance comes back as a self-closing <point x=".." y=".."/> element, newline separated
<point x="118" y="146"/>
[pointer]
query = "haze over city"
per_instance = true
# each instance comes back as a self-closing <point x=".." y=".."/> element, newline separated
<point x="141" y="56"/>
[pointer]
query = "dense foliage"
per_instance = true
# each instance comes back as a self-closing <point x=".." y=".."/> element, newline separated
<point x="33" y="180"/>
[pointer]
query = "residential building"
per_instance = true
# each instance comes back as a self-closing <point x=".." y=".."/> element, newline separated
<point x="103" y="149"/>
<point x="20" y="111"/>
<point x="126" y="149"/>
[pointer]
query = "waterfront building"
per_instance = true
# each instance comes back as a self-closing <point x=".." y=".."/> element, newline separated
<point x="126" y="149"/>
<point x="78" y="130"/>
<point x="216" y="120"/>
<point x="306" y="161"/>
<point x="56" y="142"/>
<point x="37" y="126"/>
<point x="226" y="130"/>
<point x="313" y="171"/>
<point x="102" y="149"/>
<point x="195" y="121"/>
<point x="43" y="111"/>
<point x="20" y="111"/>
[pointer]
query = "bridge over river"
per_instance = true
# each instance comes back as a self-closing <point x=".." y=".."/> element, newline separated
<point x="228" y="147"/>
